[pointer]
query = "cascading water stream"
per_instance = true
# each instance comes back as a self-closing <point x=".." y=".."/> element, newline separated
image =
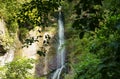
<point x="61" y="48"/>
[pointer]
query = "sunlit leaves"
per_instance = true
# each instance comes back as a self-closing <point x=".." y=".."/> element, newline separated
<point x="35" y="12"/>
<point x="8" y="11"/>
<point x="18" y="69"/>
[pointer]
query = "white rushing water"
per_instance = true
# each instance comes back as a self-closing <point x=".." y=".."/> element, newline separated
<point x="61" y="48"/>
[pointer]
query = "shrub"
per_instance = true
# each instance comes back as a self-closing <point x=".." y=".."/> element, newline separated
<point x="17" y="69"/>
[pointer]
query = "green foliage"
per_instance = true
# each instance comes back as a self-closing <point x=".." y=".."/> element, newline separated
<point x="18" y="69"/>
<point x="35" y="13"/>
<point x="89" y="15"/>
<point x="41" y="53"/>
<point x="8" y="12"/>
<point x="108" y="47"/>
<point x="26" y="14"/>
<point x="87" y="67"/>
<point x="29" y="42"/>
<point x="96" y="55"/>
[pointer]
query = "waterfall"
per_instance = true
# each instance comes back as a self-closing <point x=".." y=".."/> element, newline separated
<point x="61" y="48"/>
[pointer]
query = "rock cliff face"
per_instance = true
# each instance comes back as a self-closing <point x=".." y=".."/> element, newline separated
<point x="6" y="46"/>
<point x="47" y="63"/>
<point x="46" y="41"/>
<point x="2" y="34"/>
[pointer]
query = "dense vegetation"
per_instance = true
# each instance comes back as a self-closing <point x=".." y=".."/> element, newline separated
<point x="96" y="48"/>
<point x="93" y="27"/>
<point x="17" y="69"/>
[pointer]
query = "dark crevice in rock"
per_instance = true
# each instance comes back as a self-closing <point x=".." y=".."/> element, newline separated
<point x="2" y="50"/>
